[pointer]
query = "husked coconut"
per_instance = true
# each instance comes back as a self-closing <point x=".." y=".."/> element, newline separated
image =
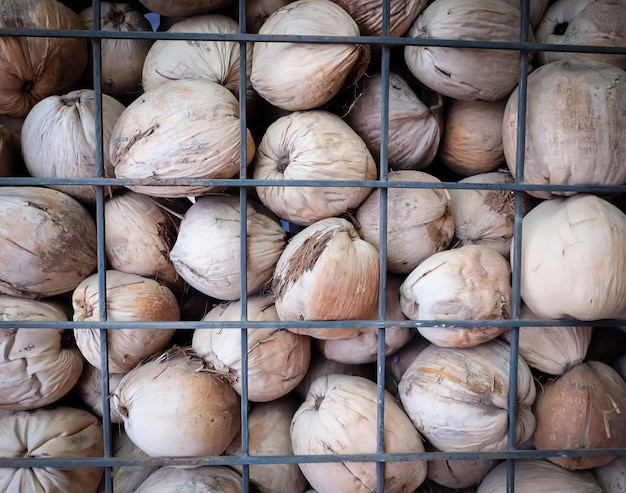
<point x="126" y="479"/>
<point x="209" y="479"/>
<point x="312" y="145"/>
<point x="167" y="8"/>
<point x="268" y="434"/>
<point x="129" y="298"/>
<point x="121" y="60"/>
<point x="172" y="406"/>
<point x="139" y="235"/>
<point x="277" y="358"/>
<point x="339" y="416"/>
<point x="575" y="125"/>
<point x="303" y="76"/>
<point x="485" y="216"/>
<point x="574" y="259"/>
<point x="47" y="242"/>
<point x="470" y="282"/>
<point x="368" y="14"/>
<point x="415" y="126"/>
<point x="581" y="409"/>
<point x="217" y="61"/>
<point x="181" y="129"/>
<point x="583" y="22"/>
<point x="458" y="397"/>
<point x="59" y="139"/>
<point x="532" y="475"/>
<point x="471" y="142"/>
<point x="207" y="250"/>
<point x="419" y="222"/>
<point x="33" y="68"/>
<point x="327" y="272"/>
<point x="257" y="12"/>
<point x="458" y="473"/>
<point x="612" y="476"/>
<point x="536" y="12"/>
<point x="552" y="349"/>
<point x="37" y="366"/>
<point x="46" y="433"/>
<point x="397" y="363"/>
<point x="453" y="71"/>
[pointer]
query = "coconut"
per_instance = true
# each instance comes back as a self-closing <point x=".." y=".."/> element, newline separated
<point x="181" y="129"/>
<point x="37" y="366"/>
<point x="582" y="409"/>
<point x="415" y="126"/>
<point x="126" y="479"/>
<point x="459" y="473"/>
<point x="575" y="123"/>
<point x="277" y="358"/>
<point x="172" y="406"/>
<point x="60" y="432"/>
<point x="452" y="71"/>
<point x="303" y="76"/>
<point x="419" y="222"/>
<point x="129" y="298"/>
<point x="327" y="272"/>
<point x="612" y="476"/>
<point x="537" y="9"/>
<point x="339" y="416"/>
<point x="33" y="68"/>
<point x="458" y="397"/>
<point x="89" y="390"/>
<point x="206" y="253"/>
<point x="59" y="139"/>
<point x="257" y="12"/>
<point x="209" y="479"/>
<point x="470" y="282"/>
<point x="47" y="242"/>
<point x="368" y="15"/>
<point x="312" y="145"/>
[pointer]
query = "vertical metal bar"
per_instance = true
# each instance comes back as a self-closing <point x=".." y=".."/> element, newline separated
<point x="101" y="262"/>
<point x="517" y="243"/>
<point x="243" y="245"/>
<point x="382" y="241"/>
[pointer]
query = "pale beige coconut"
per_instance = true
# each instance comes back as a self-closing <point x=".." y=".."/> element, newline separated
<point x="268" y="434"/>
<point x="312" y="145"/>
<point x="460" y="473"/>
<point x="485" y="216"/>
<point x="121" y="60"/>
<point x="205" y="479"/>
<point x="207" y="250"/>
<point x="277" y="358"/>
<point x="537" y="9"/>
<point x="363" y="347"/>
<point x="303" y="76"/>
<point x="574" y="259"/>
<point x="327" y="272"/>
<point x="339" y="416"/>
<point x="458" y="397"/>
<point x="50" y="433"/>
<point x="471" y="282"/>
<point x="575" y="124"/>
<point x="583" y="22"/>
<point x="47" y="242"/>
<point x="539" y="475"/>
<point x="415" y="126"/>
<point x="257" y="12"/>
<point x="472" y="136"/>
<point x="129" y="298"/>
<point x="612" y="476"/>
<point x="582" y="409"/>
<point x="89" y="390"/>
<point x="173" y="406"/>
<point x="452" y="71"/>
<point x="59" y="139"/>
<point x="321" y="366"/>
<point x="419" y="222"/>
<point x="368" y="15"/>
<point x="8" y="151"/>
<point x="181" y="129"/>
<point x="126" y="479"/>
<point x="37" y="366"/>
<point x="552" y="349"/>
<point x="217" y="61"/>
<point x="33" y="68"/>
<point x="139" y="235"/>
<point x="397" y="363"/>
<point x="167" y="8"/>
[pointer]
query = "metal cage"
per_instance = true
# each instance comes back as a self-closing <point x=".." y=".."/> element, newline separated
<point x="385" y="43"/>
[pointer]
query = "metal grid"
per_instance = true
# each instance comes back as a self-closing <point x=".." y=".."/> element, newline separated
<point x="385" y="43"/>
